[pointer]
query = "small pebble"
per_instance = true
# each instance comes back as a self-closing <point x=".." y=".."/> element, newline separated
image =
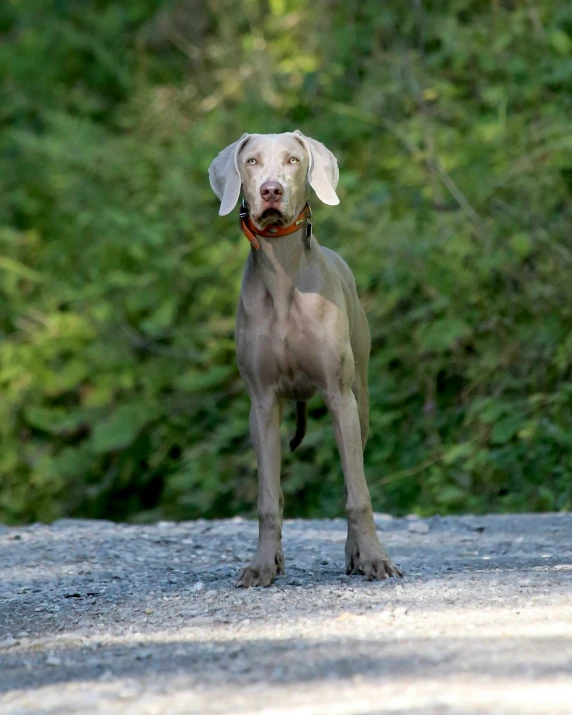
<point x="418" y="527"/>
<point x="8" y="642"/>
<point x="53" y="660"/>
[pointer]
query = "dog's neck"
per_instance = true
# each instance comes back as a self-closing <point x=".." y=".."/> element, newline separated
<point x="278" y="263"/>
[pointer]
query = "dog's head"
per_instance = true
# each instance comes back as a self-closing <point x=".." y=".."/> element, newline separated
<point x="274" y="171"/>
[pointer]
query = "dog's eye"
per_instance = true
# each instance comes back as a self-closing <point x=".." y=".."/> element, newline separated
<point x="251" y="161"/>
<point x="293" y="160"/>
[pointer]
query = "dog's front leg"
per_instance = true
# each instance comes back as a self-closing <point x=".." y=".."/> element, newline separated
<point x="364" y="552"/>
<point x="268" y="561"/>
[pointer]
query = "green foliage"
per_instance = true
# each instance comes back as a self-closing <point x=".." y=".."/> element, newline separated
<point x="118" y="281"/>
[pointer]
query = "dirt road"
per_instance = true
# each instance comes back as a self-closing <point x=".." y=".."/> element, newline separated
<point x="98" y="617"/>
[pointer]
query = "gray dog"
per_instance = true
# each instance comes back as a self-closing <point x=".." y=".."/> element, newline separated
<point x="300" y="328"/>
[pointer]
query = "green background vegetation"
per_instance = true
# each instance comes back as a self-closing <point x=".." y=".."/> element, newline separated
<point x="119" y="394"/>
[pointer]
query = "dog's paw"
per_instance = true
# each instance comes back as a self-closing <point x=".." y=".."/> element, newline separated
<point x="261" y="572"/>
<point x="254" y="576"/>
<point x="377" y="568"/>
<point x="372" y="561"/>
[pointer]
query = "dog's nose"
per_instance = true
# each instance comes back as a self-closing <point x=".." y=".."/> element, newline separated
<point x="271" y="191"/>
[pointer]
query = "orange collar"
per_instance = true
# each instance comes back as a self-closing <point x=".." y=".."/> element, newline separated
<point x="272" y="231"/>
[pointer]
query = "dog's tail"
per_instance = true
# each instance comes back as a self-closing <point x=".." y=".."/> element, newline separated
<point x="301" y="422"/>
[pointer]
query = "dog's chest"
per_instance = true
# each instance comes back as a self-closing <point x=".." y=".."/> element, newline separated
<point x="296" y="370"/>
<point x="298" y="341"/>
<point x="286" y="344"/>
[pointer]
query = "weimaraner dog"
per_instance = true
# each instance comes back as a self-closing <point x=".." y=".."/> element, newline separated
<point x="300" y="328"/>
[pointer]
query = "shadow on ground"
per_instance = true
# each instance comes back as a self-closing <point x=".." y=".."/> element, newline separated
<point x="291" y="661"/>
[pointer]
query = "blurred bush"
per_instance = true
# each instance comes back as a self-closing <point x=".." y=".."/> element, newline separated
<point x="119" y="394"/>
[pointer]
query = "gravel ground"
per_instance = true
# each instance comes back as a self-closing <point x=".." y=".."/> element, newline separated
<point x="99" y="617"/>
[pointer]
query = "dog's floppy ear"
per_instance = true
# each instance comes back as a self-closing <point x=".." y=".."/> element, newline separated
<point x="224" y="175"/>
<point x="323" y="171"/>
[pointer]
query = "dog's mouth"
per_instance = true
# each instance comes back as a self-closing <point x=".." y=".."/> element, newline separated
<point x="271" y="216"/>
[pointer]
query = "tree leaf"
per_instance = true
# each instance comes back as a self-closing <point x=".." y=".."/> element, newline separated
<point x="120" y="429"/>
<point x="505" y="430"/>
<point x="442" y="334"/>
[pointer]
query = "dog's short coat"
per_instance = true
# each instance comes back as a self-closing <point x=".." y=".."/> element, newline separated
<point x="300" y="328"/>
